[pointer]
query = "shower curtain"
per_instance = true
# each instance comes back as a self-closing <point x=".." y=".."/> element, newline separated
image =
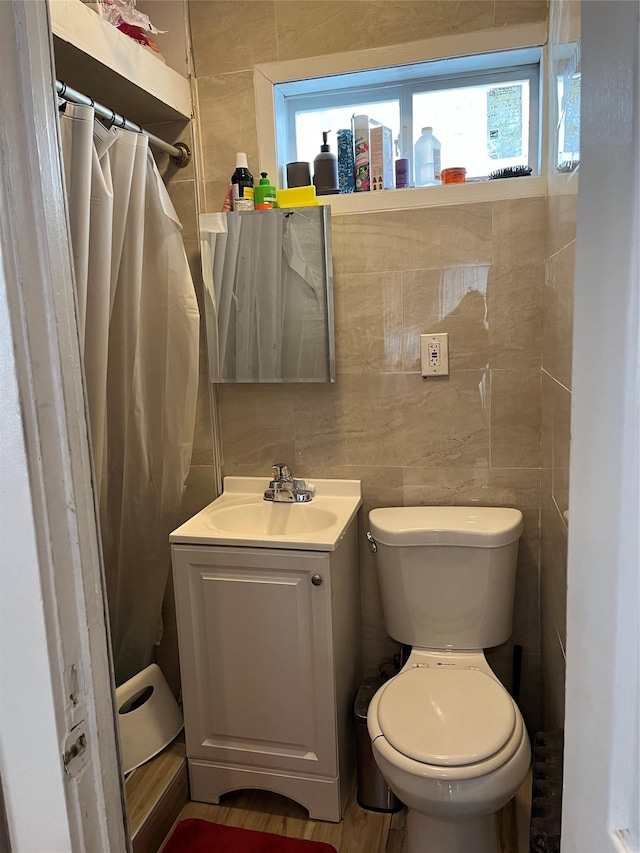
<point x="138" y="322"/>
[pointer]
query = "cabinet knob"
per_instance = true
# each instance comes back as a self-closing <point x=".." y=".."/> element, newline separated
<point x="316" y="580"/>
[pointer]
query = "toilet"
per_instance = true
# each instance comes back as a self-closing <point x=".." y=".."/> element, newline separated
<point x="446" y="735"/>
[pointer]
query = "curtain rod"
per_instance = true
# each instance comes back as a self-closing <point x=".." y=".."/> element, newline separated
<point x="179" y="153"/>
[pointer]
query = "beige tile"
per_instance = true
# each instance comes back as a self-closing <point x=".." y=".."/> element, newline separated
<point x="515" y="419"/>
<point x="558" y="315"/>
<point x="556" y="439"/>
<point x="501" y="661"/>
<point x="515" y="487"/>
<point x="232" y="35"/>
<point x="192" y="248"/>
<point x="214" y="194"/>
<point x="424" y="238"/>
<point x="519" y="230"/>
<point x="547" y="392"/>
<point x="203" y="434"/>
<point x="368" y="322"/>
<point x="394" y="420"/>
<point x="183" y="198"/>
<point x="564" y="22"/>
<point x="381" y="486"/>
<point x="561" y="222"/>
<point x="472" y="15"/>
<point x="553" y="562"/>
<point x="173" y="132"/>
<point x="526" y="606"/>
<point x="200" y="490"/>
<point x="508" y="13"/>
<point x="227" y="124"/>
<point x="561" y="450"/>
<point x="530" y="701"/>
<point x="553" y="676"/>
<point x="452" y="301"/>
<point x="257" y="426"/>
<point x="514" y="315"/>
<point x="421" y="292"/>
<point x="310" y="28"/>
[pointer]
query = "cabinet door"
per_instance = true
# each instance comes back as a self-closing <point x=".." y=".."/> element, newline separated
<point x="256" y="657"/>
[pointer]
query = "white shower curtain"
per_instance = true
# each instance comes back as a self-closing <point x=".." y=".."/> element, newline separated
<point x="138" y="321"/>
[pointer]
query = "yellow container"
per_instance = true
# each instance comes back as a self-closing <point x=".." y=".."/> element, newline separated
<point x="297" y="197"/>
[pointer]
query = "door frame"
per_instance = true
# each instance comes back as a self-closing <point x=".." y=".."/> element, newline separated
<point x="59" y="755"/>
<point x="601" y="808"/>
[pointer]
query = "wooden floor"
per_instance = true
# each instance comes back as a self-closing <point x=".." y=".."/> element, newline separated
<point x="360" y="831"/>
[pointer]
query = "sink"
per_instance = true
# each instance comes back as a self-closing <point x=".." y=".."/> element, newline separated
<point x="241" y="517"/>
<point x="272" y="519"/>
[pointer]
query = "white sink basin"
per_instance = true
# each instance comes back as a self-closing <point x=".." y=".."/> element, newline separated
<point x="272" y="519"/>
<point x="240" y="516"/>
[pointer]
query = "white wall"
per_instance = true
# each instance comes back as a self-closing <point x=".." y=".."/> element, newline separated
<point x="601" y="803"/>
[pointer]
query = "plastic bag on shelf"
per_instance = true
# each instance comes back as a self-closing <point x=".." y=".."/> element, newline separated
<point x="131" y="21"/>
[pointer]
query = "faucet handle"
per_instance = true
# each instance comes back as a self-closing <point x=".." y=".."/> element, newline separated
<point x="281" y="471"/>
<point x="304" y="487"/>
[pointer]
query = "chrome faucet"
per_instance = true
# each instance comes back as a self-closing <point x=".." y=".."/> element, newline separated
<point x="284" y="488"/>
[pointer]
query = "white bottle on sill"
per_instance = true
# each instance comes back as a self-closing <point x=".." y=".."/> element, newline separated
<point x="426" y="160"/>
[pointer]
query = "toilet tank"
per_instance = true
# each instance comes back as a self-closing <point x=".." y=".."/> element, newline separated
<point x="447" y="574"/>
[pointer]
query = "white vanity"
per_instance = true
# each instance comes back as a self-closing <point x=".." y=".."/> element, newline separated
<point x="268" y="608"/>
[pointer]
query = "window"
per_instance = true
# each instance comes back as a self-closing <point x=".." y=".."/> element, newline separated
<point x="568" y="82"/>
<point x="484" y="109"/>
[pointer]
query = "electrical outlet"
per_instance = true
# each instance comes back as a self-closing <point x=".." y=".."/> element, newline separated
<point x="434" y="355"/>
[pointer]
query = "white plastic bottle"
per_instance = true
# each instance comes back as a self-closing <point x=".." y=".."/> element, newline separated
<point x="426" y="162"/>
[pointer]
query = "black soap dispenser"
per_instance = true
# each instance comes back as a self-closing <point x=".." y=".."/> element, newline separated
<point x="325" y="169"/>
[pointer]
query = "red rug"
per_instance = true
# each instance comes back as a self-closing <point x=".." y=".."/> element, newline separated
<point x="200" y="836"/>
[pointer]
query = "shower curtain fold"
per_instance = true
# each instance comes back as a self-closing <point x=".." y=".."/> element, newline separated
<point x="139" y="324"/>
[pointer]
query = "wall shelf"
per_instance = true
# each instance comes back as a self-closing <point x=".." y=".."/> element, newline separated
<point x="100" y="61"/>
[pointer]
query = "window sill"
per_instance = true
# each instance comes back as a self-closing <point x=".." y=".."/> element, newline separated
<point x="470" y="193"/>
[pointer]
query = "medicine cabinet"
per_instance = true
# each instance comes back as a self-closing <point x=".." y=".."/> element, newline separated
<point x="268" y="291"/>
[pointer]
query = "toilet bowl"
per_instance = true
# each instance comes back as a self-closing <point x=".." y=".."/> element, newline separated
<point x="452" y="746"/>
<point x="446" y="735"/>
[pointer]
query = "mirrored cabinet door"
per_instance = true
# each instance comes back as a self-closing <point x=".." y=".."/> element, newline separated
<point x="268" y="282"/>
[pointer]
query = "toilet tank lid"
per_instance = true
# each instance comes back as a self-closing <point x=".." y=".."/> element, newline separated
<point x="470" y="526"/>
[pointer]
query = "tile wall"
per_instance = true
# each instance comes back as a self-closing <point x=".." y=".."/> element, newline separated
<point x="472" y="437"/>
<point x="564" y="31"/>
<point x="476" y="271"/>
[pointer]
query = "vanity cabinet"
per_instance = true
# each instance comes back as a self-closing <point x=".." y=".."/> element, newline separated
<point x="270" y="652"/>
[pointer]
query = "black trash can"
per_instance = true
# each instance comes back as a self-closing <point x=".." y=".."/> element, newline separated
<point x="373" y="792"/>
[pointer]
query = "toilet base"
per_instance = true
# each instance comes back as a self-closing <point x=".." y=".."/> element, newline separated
<point x="426" y="834"/>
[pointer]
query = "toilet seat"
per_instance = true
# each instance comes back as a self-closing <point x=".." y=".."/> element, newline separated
<point x="448" y="719"/>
